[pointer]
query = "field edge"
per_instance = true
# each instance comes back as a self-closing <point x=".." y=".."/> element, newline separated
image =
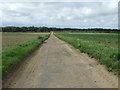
<point x="18" y="54"/>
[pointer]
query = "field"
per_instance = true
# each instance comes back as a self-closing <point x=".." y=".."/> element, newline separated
<point x="55" y="64"/>
<point x="101" y="46"/>
<point x="12" y="39"/>
<point x="16" y="46"/>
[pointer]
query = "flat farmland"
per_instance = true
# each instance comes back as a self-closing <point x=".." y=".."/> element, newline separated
<point x="101" y="46"/>
<point x="17" y="46"/>
<point x="106" y="39"/>
<point x="13" y="39"/>
<point x="57" y="64"/>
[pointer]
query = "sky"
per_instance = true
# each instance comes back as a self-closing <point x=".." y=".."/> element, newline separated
<point x="101" y="14"/>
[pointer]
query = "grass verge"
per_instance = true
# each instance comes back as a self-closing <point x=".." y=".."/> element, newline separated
<point x="12" y="57"/>
<point x="105" y="55"/>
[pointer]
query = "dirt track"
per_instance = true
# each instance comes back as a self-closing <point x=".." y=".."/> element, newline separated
<point x="58" y="65"/>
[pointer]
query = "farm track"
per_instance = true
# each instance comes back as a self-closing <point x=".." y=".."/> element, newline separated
<point x="58" y="65"/>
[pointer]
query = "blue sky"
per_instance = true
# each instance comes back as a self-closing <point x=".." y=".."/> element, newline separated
<point x="60" y="14"/>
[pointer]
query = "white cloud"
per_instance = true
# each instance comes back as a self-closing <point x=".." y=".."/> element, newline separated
<point x="58" y="0"/>
<point x="69" y="14"/>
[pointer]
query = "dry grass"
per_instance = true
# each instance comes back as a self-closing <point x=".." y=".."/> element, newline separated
<point x="13" y="39"/>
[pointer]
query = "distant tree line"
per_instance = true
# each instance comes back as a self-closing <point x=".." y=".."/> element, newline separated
<point x="46" y="29"/>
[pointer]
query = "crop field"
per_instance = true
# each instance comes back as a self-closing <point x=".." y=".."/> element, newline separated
<point x="17" y="46"/>
<point x="101" y="46"/>
<point x="13" y="39"/>
<point x="43" y="62"/>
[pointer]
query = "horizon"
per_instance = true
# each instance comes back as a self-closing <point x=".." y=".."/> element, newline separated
<point x="62" y="27"/>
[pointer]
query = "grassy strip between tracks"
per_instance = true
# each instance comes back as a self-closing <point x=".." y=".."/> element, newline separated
<point x="13" y="57"/>
<point x="104" y="54"/>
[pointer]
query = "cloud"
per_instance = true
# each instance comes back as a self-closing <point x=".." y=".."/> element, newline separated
<point x="63" y="14"/>
<point x="58" y="0"/>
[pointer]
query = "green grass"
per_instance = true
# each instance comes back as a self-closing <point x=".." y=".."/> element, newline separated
<point x="103" y="47"/>
<point x="13" y="57"/>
